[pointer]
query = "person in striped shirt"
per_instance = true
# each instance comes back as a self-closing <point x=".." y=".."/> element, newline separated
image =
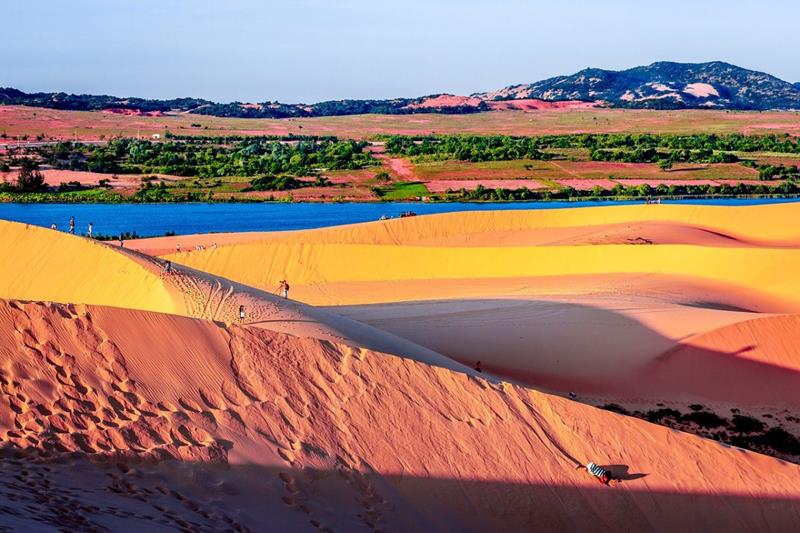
<point x="602" y="475"/>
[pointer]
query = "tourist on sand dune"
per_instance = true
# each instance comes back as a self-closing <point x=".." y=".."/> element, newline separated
<point x="283" y="289"/>
<point x="478" y="367"/>
<point x="602" y="475"/>
<point x="53" y="226"/>
<point x="72" y="225"/>
<point x="241" y="313"/>
<point x="89" y="233"/>
<point x="168" y="266"/>
<point x="177" y="247"/>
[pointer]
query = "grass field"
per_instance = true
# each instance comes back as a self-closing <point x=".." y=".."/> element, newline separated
<point x="418" y="177"/>
<point x="403" y="191"/>
<point x="522" y="169"/>
<point x="20" y="121"/>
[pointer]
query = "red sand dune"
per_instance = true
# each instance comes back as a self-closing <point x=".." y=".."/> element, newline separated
<point x="140" y="403"/>
<point x="731" y="358"/>
<point x="216" y="428"/>
<point x="755" y="361"/>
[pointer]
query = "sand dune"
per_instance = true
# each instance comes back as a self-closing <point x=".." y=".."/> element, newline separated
<point x="737" y="247"/>
<point x="644" y="232"/>
<point x="752" y="362"/>
<point x="216" y="427"/>
<point x="555" y="299"/>
<point x="620" y="350"/>
<point x="763" y="224"/>
<point x="44" y="265"/>
<point x="629" y="224"/>
<point x="140" y="402"/>
<point x="316" y="270"/>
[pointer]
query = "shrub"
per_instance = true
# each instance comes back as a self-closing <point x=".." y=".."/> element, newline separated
<point x="275" y="183"/>
<point x="781" y="441"/>
<point x="706" y="419"/>
<point x="660" y="414"/>
<point x="29" y="178"/>
<point x="746" y="424"/>
<point x="613" y="407"/>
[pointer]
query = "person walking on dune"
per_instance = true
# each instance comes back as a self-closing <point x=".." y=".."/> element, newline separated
<point x="601" y="474"/>
<point x="89" y="232"/>
<point x="241" y="313"/>
<point x="283" y="289"/>
<point x="72" y="225"/>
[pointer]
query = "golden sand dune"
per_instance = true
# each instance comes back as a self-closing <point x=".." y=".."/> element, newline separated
<point x="766" y="225"/>
<point x="589" y="317"/>
<point x="44" y="265"/>
<point x="125" y="419"/>
<point x="408" y="259"/>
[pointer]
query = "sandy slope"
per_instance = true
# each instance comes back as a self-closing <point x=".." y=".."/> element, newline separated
<point x="567" y="299"/>
<point x="644" y="232"/>
<point x="764" y="225"/>
<point x="191" y="424"/>
<point x="735" y="246"/>
<point x="45" y="265"/>
<point x="754" y="361"/>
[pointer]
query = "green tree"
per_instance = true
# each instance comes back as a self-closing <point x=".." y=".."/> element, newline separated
<point x="29" y="178"/>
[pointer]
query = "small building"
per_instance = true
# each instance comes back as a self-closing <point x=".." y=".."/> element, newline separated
<point x="155" y="136"/>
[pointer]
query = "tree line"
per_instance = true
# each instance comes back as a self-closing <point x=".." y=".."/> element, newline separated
<point x="485" y="194"/>
<point x="664" y="149"/>
<point x="206" y="159"/>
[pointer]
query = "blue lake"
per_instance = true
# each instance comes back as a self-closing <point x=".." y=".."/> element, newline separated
<point x="157" y="219"/>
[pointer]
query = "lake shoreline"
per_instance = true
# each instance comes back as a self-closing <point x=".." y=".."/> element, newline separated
<point x="158" y="219"/>
<point x="6" y="198"/>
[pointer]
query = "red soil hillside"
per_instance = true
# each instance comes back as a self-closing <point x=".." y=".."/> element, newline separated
<point x="445" y="101"/>
<point x="533" y="104"/>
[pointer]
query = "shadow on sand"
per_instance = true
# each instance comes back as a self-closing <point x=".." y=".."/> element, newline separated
<point x="123" y="494"/>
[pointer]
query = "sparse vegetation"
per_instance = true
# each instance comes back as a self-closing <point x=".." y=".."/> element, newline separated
<point x="740" y="430"/>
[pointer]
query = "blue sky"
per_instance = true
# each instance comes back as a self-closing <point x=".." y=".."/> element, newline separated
<point x="312" y="50"/>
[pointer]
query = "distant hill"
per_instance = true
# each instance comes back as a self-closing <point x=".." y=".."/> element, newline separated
<point x="663" y="85"/>
<point x="86" y="102"/>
